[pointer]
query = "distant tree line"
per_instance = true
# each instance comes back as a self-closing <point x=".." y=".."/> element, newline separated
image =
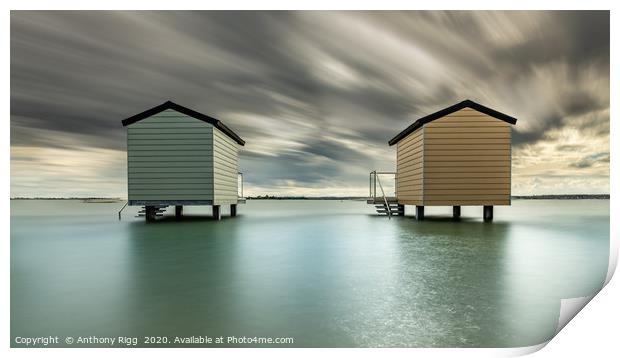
<point x="563" y="196"/>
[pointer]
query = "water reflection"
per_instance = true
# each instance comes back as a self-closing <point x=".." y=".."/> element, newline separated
<point x="327" y="274"/>
<point x="180" y="277"/>
<point x="545" y="264"/>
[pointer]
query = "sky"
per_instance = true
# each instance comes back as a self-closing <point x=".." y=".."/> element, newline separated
<point x="315" y="95"/>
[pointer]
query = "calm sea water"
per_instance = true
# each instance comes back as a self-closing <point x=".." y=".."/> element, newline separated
<point x="327" y="273"/>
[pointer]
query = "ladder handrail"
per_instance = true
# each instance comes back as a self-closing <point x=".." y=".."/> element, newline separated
<point x="372" y="183"/>
<point x="119" y="212"/>
<point x="387" y="206"/>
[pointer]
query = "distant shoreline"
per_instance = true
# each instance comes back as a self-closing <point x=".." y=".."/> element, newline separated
<point x="87" y="200"/>
<point x="561" y="197"/>
<point x="516" y="197"/>
<point x="356" y="198"/>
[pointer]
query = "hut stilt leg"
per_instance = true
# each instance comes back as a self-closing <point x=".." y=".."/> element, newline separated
<point x="419" y="212"/>
<point x="456" y="212"/>
<point x="178" y="211"/>
<point x="487" y="213"/>
<point x="149" y="213"/>
<point x="233" y="210"/>
<point x="217" y="213"/>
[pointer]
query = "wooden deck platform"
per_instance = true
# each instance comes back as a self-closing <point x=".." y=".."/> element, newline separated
<point x="379" y="200"/>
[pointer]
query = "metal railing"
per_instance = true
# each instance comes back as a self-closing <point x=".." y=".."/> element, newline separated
<point x="387" y="206"/>
<point x="119" y="212"/>
<point x="374" y="179"/>
<point x="240" y="184"/>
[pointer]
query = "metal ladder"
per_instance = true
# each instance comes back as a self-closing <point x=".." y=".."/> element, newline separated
<point x="159" y="211"/>
<point x="394" y="208"/>
<point x="386" y="205"/>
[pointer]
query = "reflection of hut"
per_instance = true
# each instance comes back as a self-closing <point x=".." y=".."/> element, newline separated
<point x="457" y="156"/>
<point x="177" y="156"/>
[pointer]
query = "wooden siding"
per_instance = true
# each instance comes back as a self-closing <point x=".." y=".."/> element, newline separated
<point x="170" y="157"/>
<point x="463" y="158"/>
<point x="467" y="160"/>
<point x="226" y="168"/>
<point x="409" y="168"/>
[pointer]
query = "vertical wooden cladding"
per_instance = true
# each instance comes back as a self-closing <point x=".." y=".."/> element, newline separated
<point x="467" y="160"/>
<point x="225" y="164"/>
<point x="409" y="168"/>
<point x="170" y="157"/>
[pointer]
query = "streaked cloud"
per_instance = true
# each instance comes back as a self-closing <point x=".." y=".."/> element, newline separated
<point x="316" y="95"/>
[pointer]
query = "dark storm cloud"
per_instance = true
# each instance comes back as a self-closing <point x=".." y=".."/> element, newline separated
<point x="574" y="36"/>
<point x="292" y="167"/>
<point x="317" y="95"/>
<point x="570" y="105"/>
<point x="540" y="131"/>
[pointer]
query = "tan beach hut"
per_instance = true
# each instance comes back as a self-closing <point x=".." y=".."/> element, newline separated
<point x="458" y="156"/>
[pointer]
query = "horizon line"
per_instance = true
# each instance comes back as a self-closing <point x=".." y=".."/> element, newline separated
<point x="283" y="196"/>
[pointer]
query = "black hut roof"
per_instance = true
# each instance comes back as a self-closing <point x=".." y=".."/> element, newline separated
<point x="189" y="112"/>
<point x="444" y="112"/>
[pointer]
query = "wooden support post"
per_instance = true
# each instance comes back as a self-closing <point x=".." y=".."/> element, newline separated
<point x="456" y="212"/>
<point x="487" y="213"/>
<point x="419" y="212"/>
<point x="233" y="210"/>
<point x="217" y="214"/>
<point x="149" y="213"/>
<point x="178" y="211"/>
